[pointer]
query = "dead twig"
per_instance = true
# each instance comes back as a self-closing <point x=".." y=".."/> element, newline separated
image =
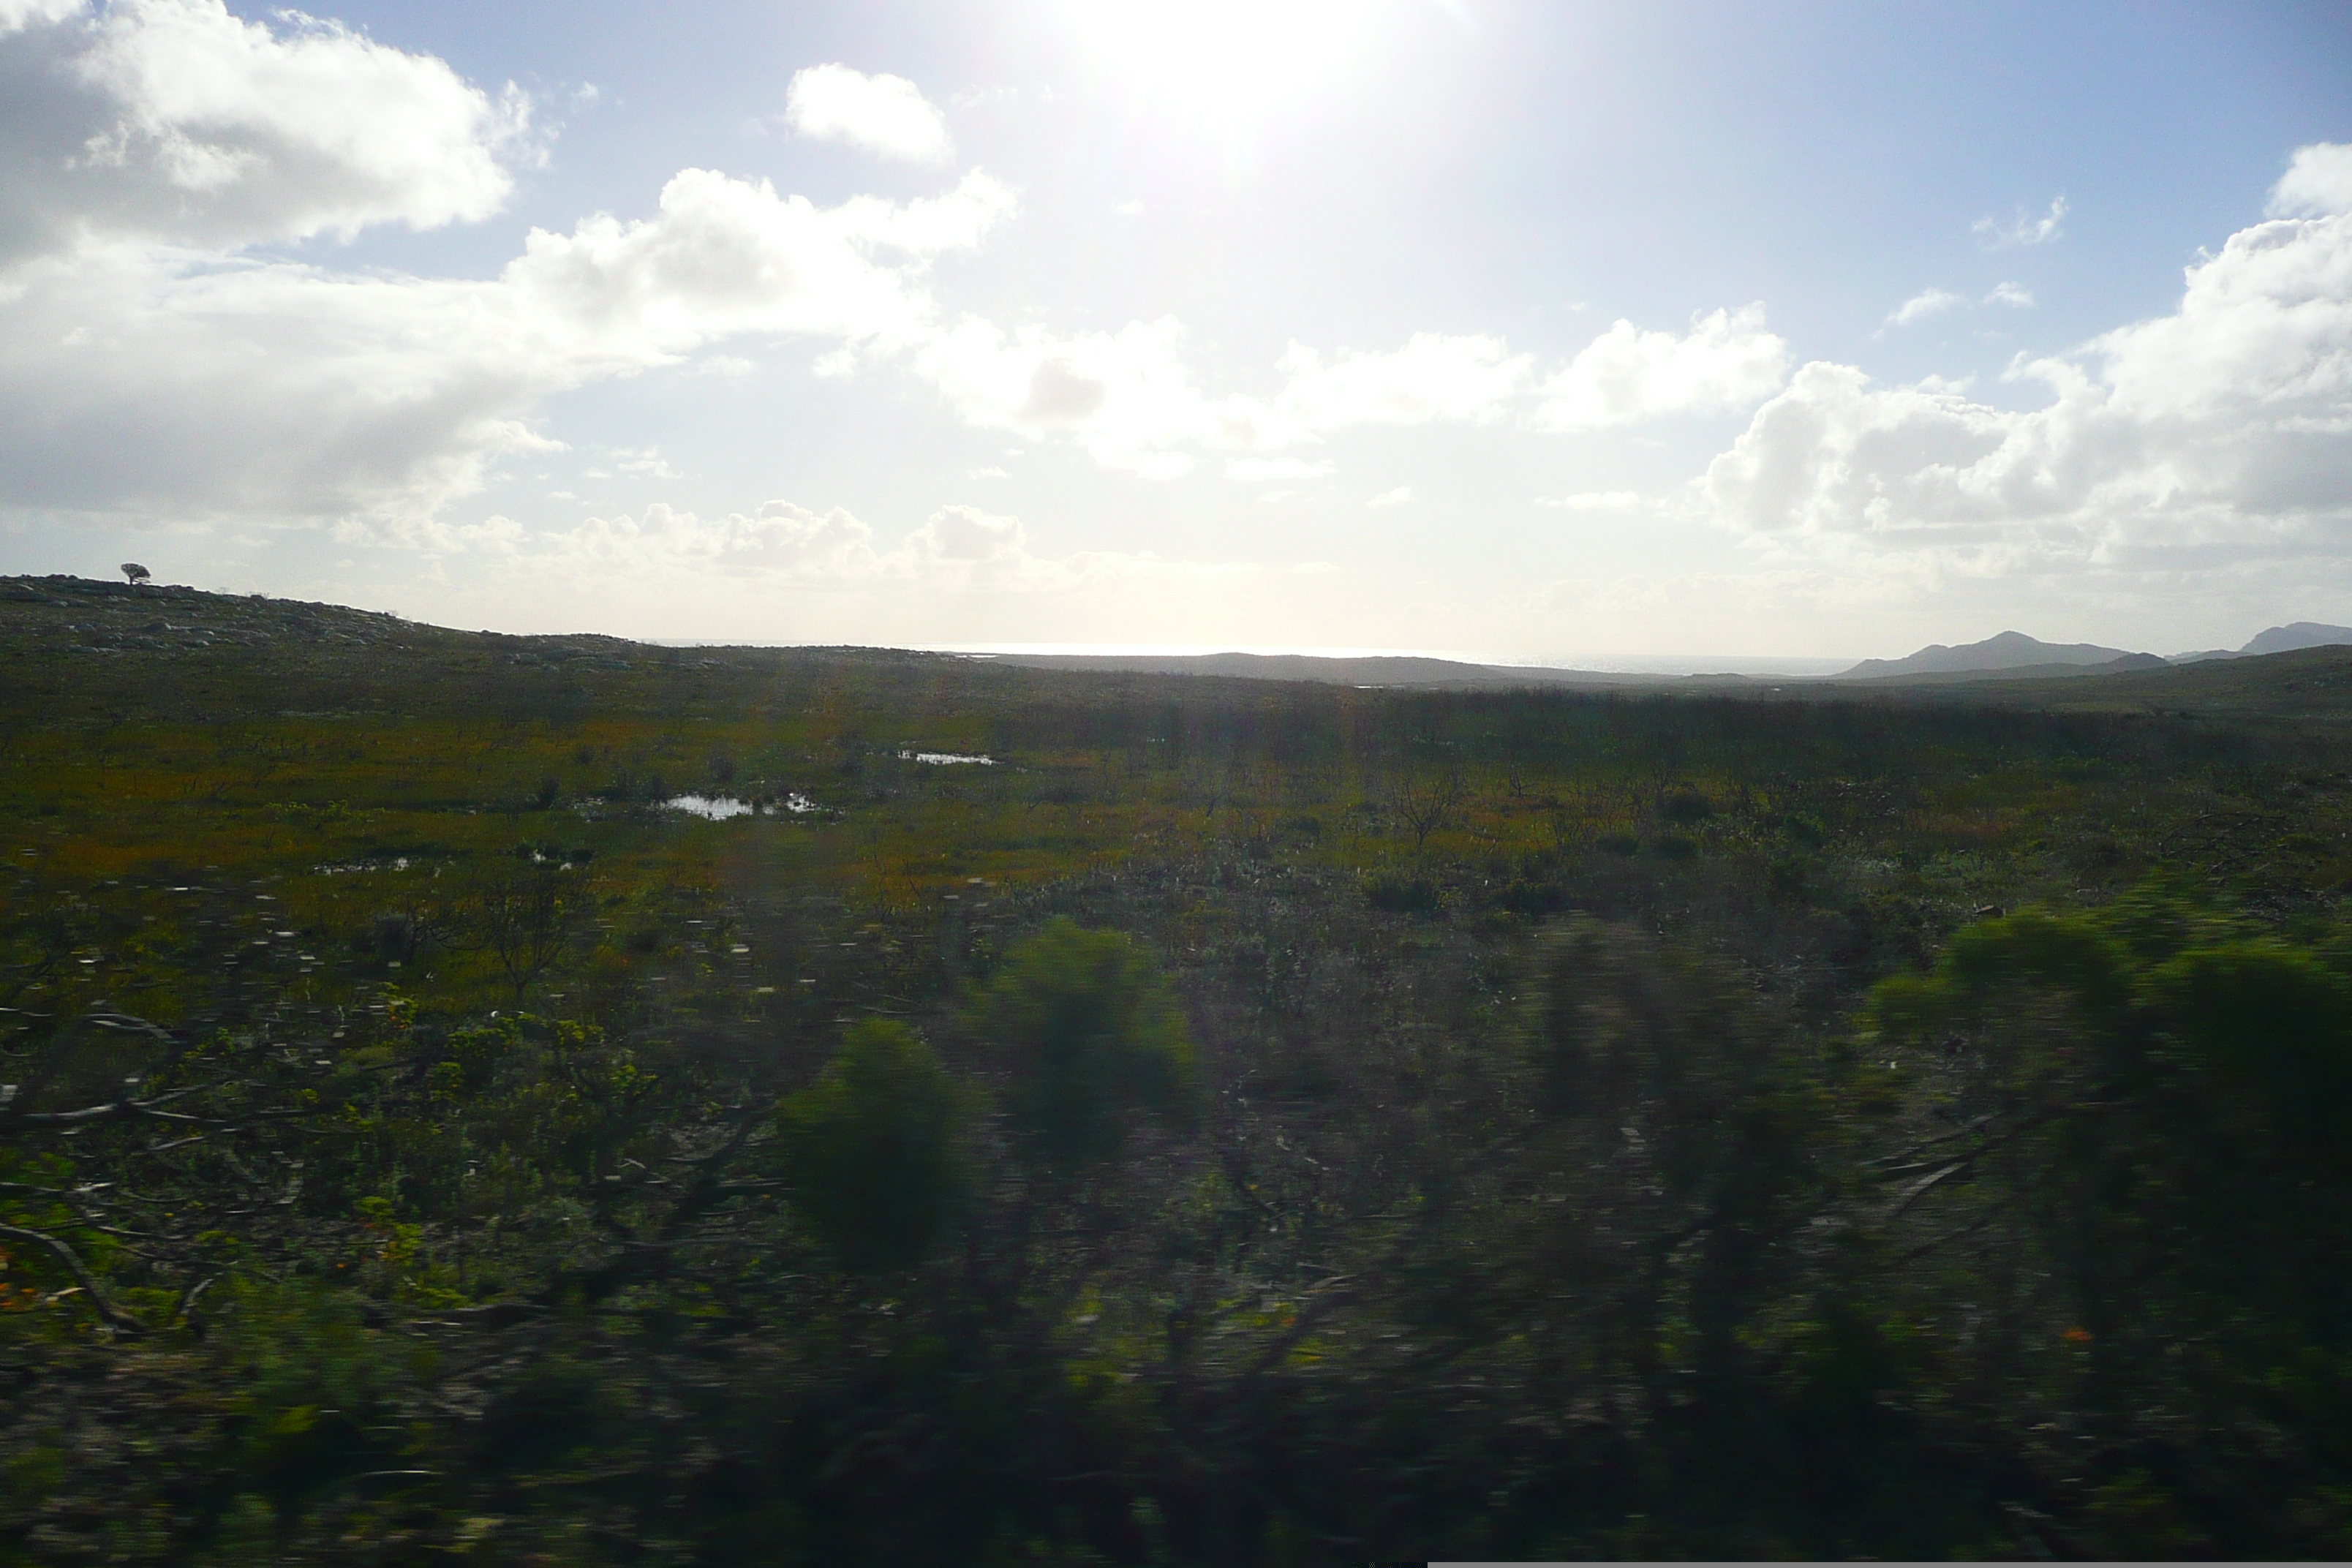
<point x="114" y="1318"/>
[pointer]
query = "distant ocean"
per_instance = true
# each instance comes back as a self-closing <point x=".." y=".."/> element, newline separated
<point x="1604" y="663"/>
<point x="1607" y="664"/>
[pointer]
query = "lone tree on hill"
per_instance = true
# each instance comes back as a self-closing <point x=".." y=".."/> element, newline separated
<point x="136" y="572"/>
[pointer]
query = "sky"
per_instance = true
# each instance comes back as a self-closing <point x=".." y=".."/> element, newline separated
<point x="1552" y="333"/>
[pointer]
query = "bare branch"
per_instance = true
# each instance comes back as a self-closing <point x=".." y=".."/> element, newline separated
<point x="110" y="1315"/>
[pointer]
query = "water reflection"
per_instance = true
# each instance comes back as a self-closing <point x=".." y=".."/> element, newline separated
<point x="720" y="807"/>
<point x="944" y="757"/>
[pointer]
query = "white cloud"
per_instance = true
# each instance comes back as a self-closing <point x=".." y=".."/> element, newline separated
<point x="1593" y="501"/>
<point x="2318" y="182"/>
<point x="885" y="115"/>
<point x="989" y="474"/>
<point x="16" y="16"/>
<point x="1920" y="306"/>
<point x="172" y="121"/>
<point x="2022" y="229"/>
<point x="647" y="463"/>
<point x="1128" y="209"/>
<point x="1400" y="496"/>
<point x="984" y="97"/>
<point x="1265" y="470"/>
<point x="723" y="255"/>
<point x="1938" y="302"/>
<point x="148" y="365"/>
<point x="781" y="546"/>
<point x="1127" y="397"/>
<point x="1727" y="360"/>
<point x="1434" y="379"/>
<point x="1271" y="497"/>
<point x="2225" y="422"/>
<point x="197" y="385"/>
<point x="968" y="534"/>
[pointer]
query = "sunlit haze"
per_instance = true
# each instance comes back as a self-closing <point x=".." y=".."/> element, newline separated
<point x="1228" y="65"/>
<point x="1517" y="331"/>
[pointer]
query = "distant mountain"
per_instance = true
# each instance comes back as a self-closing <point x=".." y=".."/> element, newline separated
<point x="2008" y="651"/>
<point x="2302" y="633"/>
<point x="1377" y="670"/>
<point x="2123" y="666"/>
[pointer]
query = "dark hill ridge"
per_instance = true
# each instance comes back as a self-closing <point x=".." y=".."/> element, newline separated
<point x="2007" y="651"/>
<point x="68" y="618"/>
<point x="83" y="614"/>
<point x="2299" y="635"/>
<point x="2014" y="656"/>
<point x="2288" y="638"/>
<point x="2309" y="686"/>
<point x="1386" y="670"/>
<point x="2054" y="671"/>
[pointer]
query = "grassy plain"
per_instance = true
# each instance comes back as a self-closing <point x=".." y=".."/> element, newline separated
<point x="477" y="1239"/>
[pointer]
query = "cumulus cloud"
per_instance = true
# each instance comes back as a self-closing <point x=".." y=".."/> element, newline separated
<point x="1400" y="496"/>
<point x="1128" y="397"/>
<point x="147" y="379"/>
<point x="723" y="255"/>
<point x="2228" y="421"/>
<point x="2023" y="230"/>
<point x="172" y="120"/>
<point x="16" y="16"/>
<point x="885" y="115"/>
<point x="2013" y="294"/>
<point x="1131" y="399"/>
<point x="155" y="361"/>
<point x="1925" y="304"/>
<point x="968" y="534"/>
<point x="1727" y="360"/>
<point x="2318" y="181"/>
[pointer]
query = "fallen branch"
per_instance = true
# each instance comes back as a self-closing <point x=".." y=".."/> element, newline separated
<point x="115" y="1319"/>
<point x="1920" y="1188"/>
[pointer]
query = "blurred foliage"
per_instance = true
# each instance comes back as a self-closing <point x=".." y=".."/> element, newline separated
<point x="1087" y="1039"/>
<point x="875" y="1149"/>
<point x="1236" y="1123"/>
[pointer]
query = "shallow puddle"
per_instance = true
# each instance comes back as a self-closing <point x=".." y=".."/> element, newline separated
<point x="720" y="807"/>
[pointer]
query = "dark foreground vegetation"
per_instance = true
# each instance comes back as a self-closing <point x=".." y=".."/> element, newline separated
<point x="1237" y="1124"/>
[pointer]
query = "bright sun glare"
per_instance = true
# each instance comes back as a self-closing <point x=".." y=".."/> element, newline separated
<point x="1229" y="61"/>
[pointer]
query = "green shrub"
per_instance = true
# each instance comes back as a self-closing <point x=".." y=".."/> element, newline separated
<point x="1401" y="895"/>
<point x="1533" y="898"/>
<point x="1090" y="1039"/>
<point x="1686" y="806"/>
<point x="876" y="1150"/>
